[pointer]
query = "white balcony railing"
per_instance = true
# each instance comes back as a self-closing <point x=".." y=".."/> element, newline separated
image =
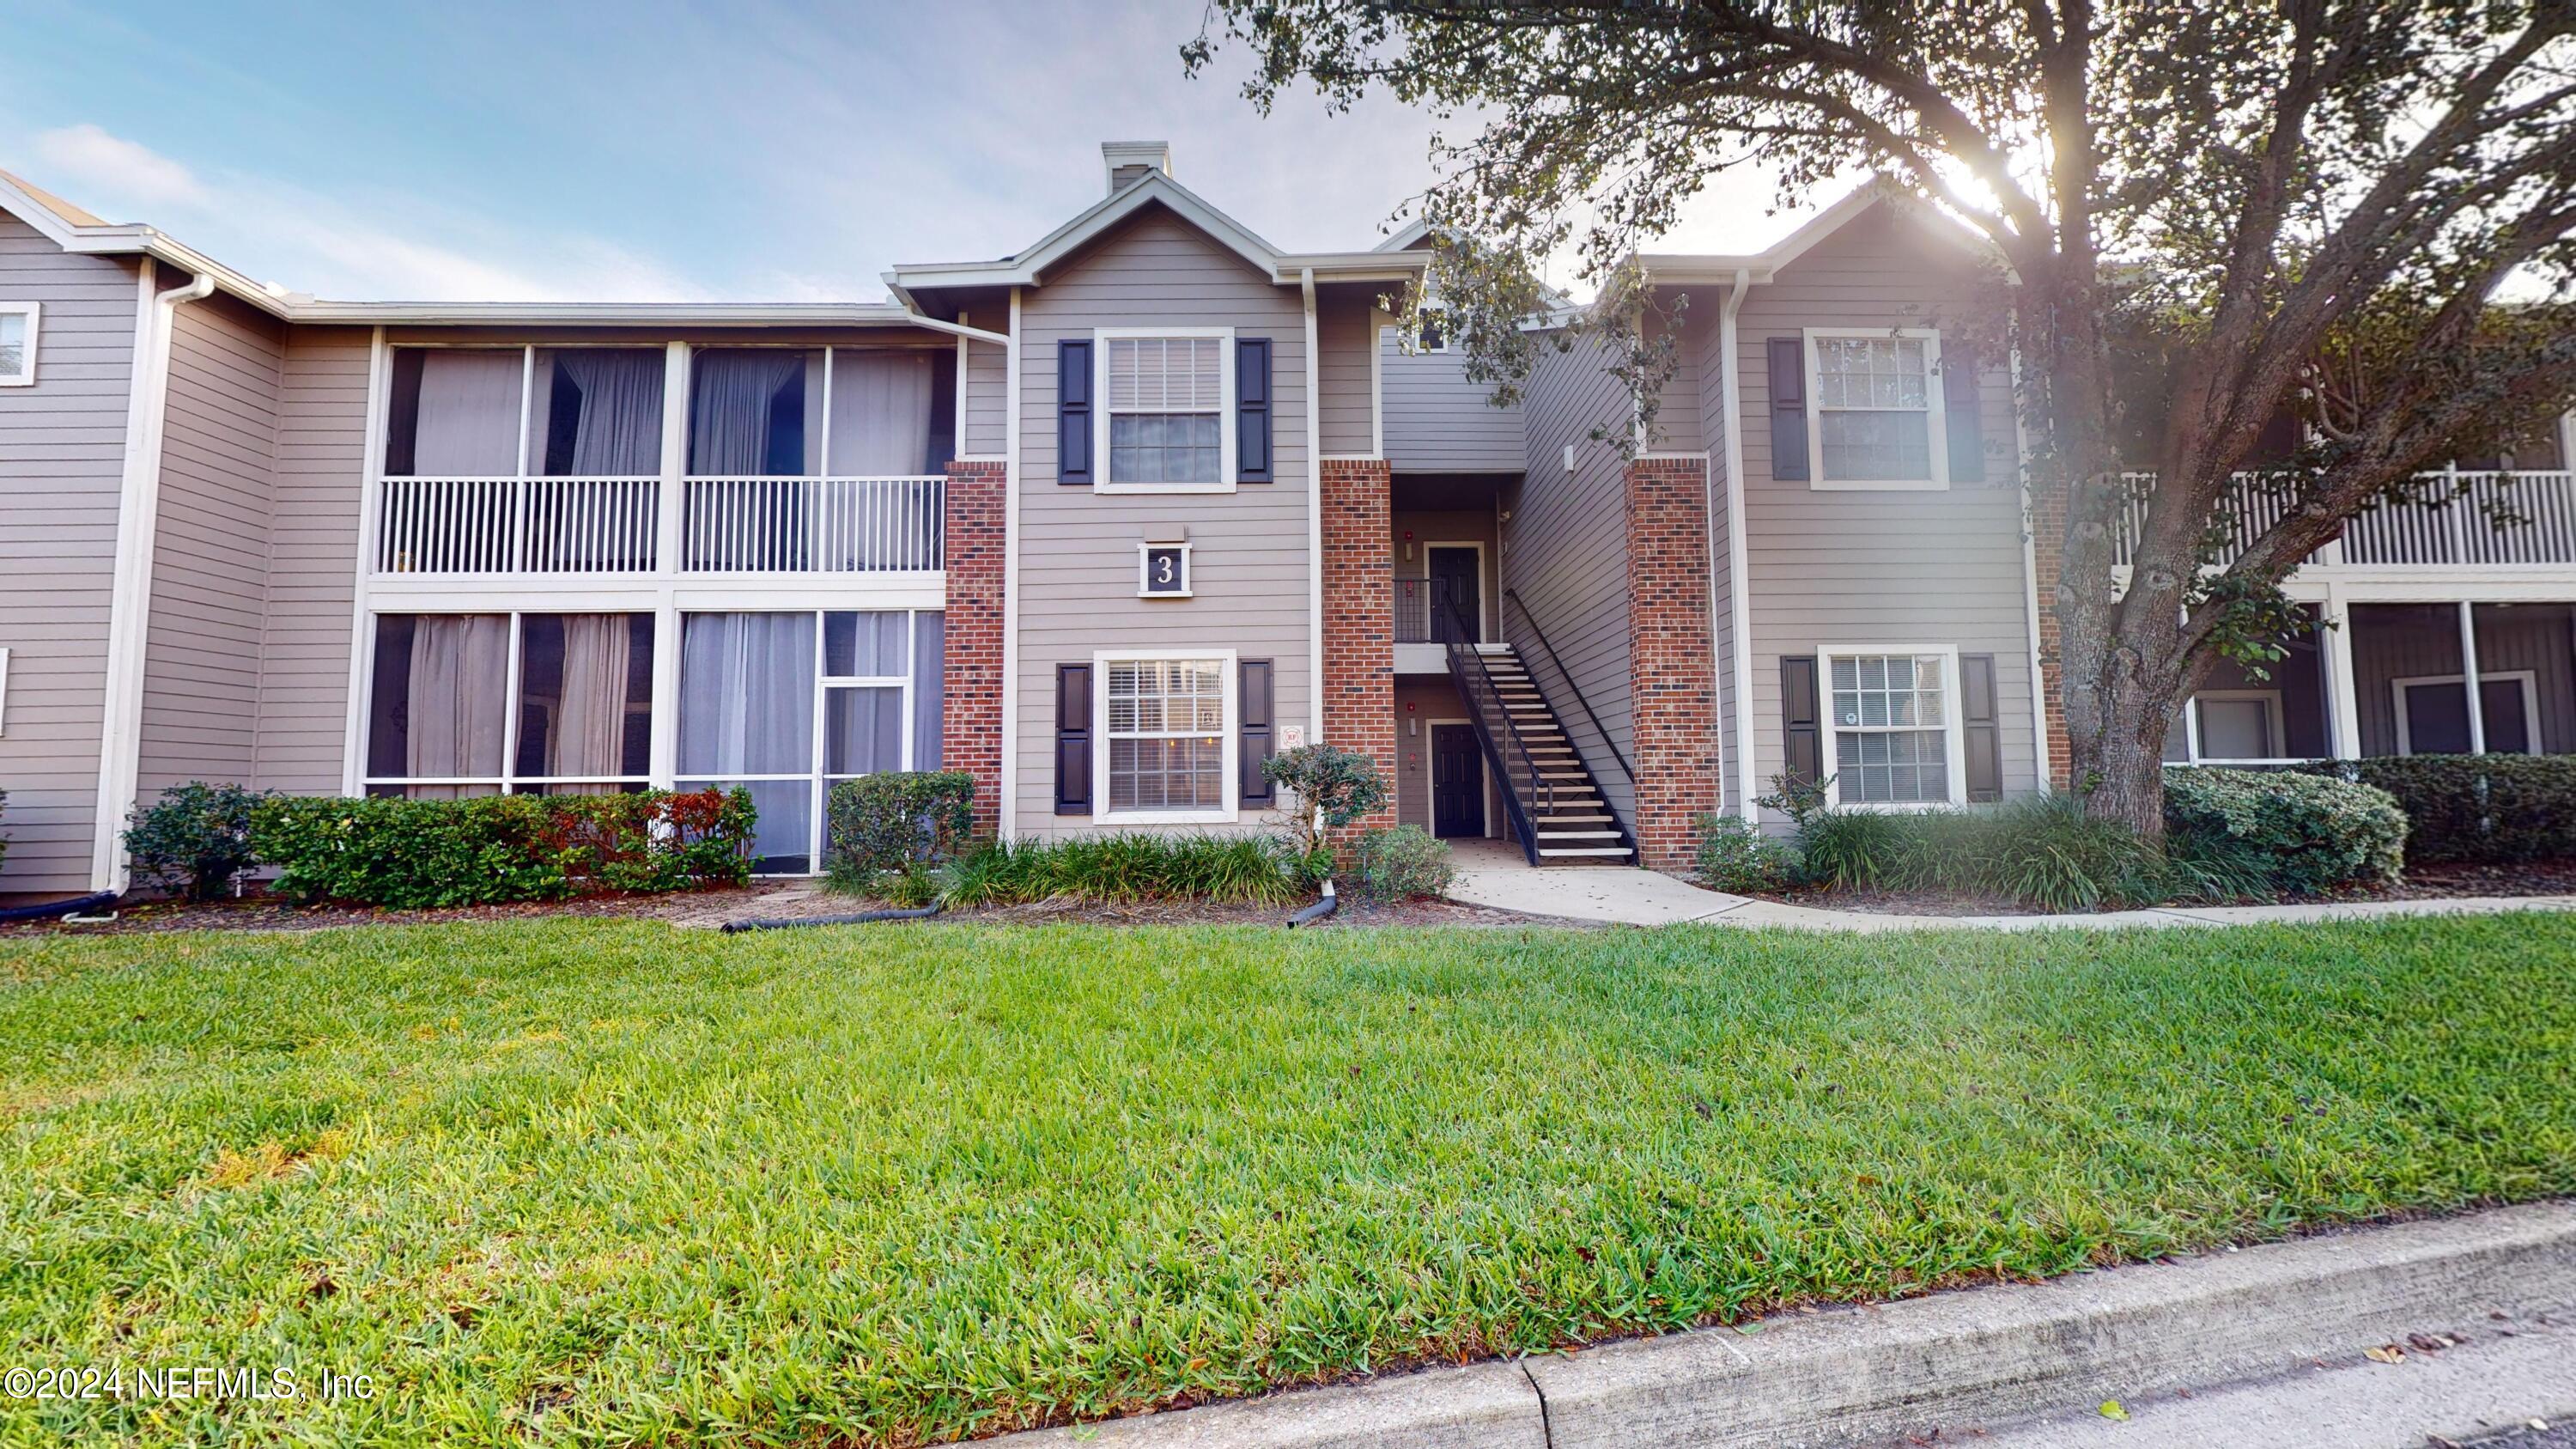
<point x="501" y="526"/>
<point x="518" y="525"/>
<point x="2457" y="520"/>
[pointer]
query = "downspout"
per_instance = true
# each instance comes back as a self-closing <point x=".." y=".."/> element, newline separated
<point x="1314" y="513"/>
<point x="2030" y="586"/>
<point x="1007" y="813"/>
<point x="1738" y="570"/>
<point x="129" y="616"/>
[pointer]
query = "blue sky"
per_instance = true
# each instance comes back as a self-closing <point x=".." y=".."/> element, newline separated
<point x="648" y="150"/>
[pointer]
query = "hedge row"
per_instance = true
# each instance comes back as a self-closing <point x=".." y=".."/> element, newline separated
<point x="416" y="853"/>
<point x="2478" y="809"/>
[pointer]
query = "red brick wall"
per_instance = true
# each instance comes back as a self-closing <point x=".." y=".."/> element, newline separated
<point x="2048" y="540"/>
<point x="1674" y="673"/>
<point x="970" y="710"/>
<point x="1359" y="622"/>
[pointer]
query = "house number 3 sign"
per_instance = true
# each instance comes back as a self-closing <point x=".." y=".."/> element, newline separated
<point x="1166" y="569"/>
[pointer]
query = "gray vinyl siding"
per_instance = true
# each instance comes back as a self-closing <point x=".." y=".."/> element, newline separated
<point x="1565" y="552"/>
<point x="210" y="550"/>
<point x="1343" y="326"/>
<point x="62" y="460"/>
<point x="1861" y="569"/>
<point x="2393" y="642"/>
<point x="987" y="406"/>
<point x="1678" y="417"/>
<point x="1439" y="422"/>
<point x="313" y="559"/>
<point x="1077" y="564"/>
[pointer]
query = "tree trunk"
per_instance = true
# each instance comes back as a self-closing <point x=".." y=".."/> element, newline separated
<point x="2124" y="764"/>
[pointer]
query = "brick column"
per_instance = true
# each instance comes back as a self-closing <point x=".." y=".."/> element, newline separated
<point x="970" y="706"/>
<point x="2047" y="564"/>
<point x="1673" y="672"/>
<point x="1359" y="618"/>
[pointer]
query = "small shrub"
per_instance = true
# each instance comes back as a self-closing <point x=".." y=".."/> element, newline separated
<point x="1118" y="869"/>
<point x="910" y="888"/>
<point x="2305" y="833"/>
<point x="2475" y="809"/>
<point x="1340" y="785"/>
<point x="195" y="840"/>
<point x="1853" y="849"/>
<point x="1401" y="864"/>
<point x="894" y="819"/>
<point x="1734" y="855"/>
<point x="412" y="854"/>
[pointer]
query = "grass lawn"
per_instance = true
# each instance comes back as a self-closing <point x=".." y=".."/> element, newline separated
<point x="603" y="1181"/>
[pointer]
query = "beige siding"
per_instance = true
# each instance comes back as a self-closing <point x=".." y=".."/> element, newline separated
<point x="987" y="407"/>
<point x="1565" y="552"/>
<point x="210" y="552"/>
<point x="62" y="451"/>
<point x="313" y="559"/>
<point x="1343" y="325"/>
<point x="1439" y="422"/>
<point x="1879" y="568"/>
<point x="1078" y="548"/>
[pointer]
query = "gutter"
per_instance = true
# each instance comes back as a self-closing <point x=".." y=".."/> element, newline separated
<point x="129" y="617"/>
<point x="1738" y="567"/>
<point x="1314" y="511"/>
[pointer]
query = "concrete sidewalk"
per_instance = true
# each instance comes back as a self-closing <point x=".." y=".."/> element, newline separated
<point x="2030" y="1364"/>
<point x="1629" y="896"/>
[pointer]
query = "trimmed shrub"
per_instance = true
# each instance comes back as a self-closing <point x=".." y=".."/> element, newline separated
<point x="2475" y="809"/>
<point x="411" y="854"/>
<point x="1246" y="869"/>
<point x="195" y="840"/>
<point x="2305" y="833"/>
<point x="894" y="819"/>
<point x="1401" y="864"/>
<point x="1342" y="785"/>
<point x="1734" y="855"/>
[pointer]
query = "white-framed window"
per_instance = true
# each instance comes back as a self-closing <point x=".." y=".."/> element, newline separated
<point x="1165" y="732"/>
<point x="1892" y="731"/>
<point x="18" y="326"/>
<point x="4" y="691"/>
<point x="1167" y="405"/>
<point x="1874" y="417"/>
<point x="2433" y="712"/>
<point x="1162" y="571"/>
<point x="2239" y="724"/>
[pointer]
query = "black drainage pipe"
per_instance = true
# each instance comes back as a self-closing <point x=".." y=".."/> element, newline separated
<point x="71" y="907"/>
<point x="1316" y="912"/>
<point x="789" y="923"/>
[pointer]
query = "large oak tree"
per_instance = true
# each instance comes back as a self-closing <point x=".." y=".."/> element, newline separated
<point x="2206" y="214"/>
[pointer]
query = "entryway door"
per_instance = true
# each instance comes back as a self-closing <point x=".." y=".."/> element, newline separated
<point x="1457" y="782"/>
<point x="1457" y="570"/>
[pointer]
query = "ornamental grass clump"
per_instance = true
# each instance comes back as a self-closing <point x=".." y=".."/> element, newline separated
<point x="1128" y="868"/>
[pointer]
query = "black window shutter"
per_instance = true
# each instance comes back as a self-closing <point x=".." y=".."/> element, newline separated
<point x="1804" y="750"/>
<point x="1253" y="746"/>
<point x="1788" y="357"/>
<point x="1252" y="410"/>
<point x="1073" y="413"/>
<point x="1073" y="739"/>
<point x="1985" y="749"/>
<point x="1960" y="416"/>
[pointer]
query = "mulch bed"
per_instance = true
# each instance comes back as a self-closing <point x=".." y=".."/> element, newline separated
<point x="2421" y="883"/>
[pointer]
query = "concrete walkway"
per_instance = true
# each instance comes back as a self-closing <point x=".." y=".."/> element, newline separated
<point x="1628" y="896"/>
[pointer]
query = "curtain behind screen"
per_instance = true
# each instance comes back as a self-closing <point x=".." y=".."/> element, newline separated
<point x="881" y="414"/>
<point x="618" y="432"/>
<point x="589" y="734"/>
<point x="730" y="406"/>
<point x="469" y="415"/>
<point x="454" y="700"/>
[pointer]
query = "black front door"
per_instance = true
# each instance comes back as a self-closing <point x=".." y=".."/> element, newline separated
<point x="1454" y="572"/>
<point x="1457" y="782"/>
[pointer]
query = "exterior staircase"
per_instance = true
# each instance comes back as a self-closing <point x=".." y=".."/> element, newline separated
<point x="1557" y="808"/>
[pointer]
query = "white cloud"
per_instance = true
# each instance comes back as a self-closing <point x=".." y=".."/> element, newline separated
<point x="113" y="169"/>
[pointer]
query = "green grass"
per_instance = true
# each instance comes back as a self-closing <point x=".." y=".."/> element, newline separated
<point x="601" y="1182"/>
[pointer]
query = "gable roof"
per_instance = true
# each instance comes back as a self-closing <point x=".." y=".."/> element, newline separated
<point x="1860" y="201"/>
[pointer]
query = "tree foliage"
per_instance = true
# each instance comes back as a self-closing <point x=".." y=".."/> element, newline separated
<point x="2208" y="214"/>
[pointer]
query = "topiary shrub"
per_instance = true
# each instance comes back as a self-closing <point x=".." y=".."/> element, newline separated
<point x="1401" y="864"/>
<point x="195" y="840"/>
<point x="893" y="820"/>
<point x="2304" y="833"/>
<point x="2475" y="809"/>
<point x="411" y="854"/>
<point x="1734" y="855"/>
<point x="1340" y="785"/>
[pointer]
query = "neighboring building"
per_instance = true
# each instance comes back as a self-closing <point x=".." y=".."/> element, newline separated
<point x="1103" y="522"/>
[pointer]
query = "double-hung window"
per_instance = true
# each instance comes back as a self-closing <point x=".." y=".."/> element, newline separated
<point x="1166" y="737"/>
<point x="1168" y="396"/>
<point x="1875" y="405"/>
<point x="1892" y="724"/>
<point x="18" y="343"/>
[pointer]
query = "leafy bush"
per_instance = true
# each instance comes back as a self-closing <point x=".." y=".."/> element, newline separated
<point x="1341" y="785"/>
<point x="895" y="819"/>
<point x="389" y="851"/>
<point x="1401" y="864"/>
<point x="2477" y="809"/>
<point x="1734" y="855"/>
<point x="195" y="840"/>
<point x="1252" y="869"/>
<point x="2305" y="833"/>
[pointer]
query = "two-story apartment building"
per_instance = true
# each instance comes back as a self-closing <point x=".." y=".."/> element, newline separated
<point x="1103" y="522"/>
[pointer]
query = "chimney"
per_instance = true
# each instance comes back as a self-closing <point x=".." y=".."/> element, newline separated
<point x="1128" y="160"/>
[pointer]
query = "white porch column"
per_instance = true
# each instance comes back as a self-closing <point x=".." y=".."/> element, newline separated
<point x="2469" y="678"/>
<point x="664" y="765"/>
<point x="2342" y="685"/>
<point x="675" y="442"/>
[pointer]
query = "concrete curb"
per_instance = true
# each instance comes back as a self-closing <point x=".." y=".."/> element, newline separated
<point x="1839" y="1377"/>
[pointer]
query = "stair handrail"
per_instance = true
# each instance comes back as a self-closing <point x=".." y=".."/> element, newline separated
<point x="1513" y="598"/>
<point x="1489" y="715"/>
